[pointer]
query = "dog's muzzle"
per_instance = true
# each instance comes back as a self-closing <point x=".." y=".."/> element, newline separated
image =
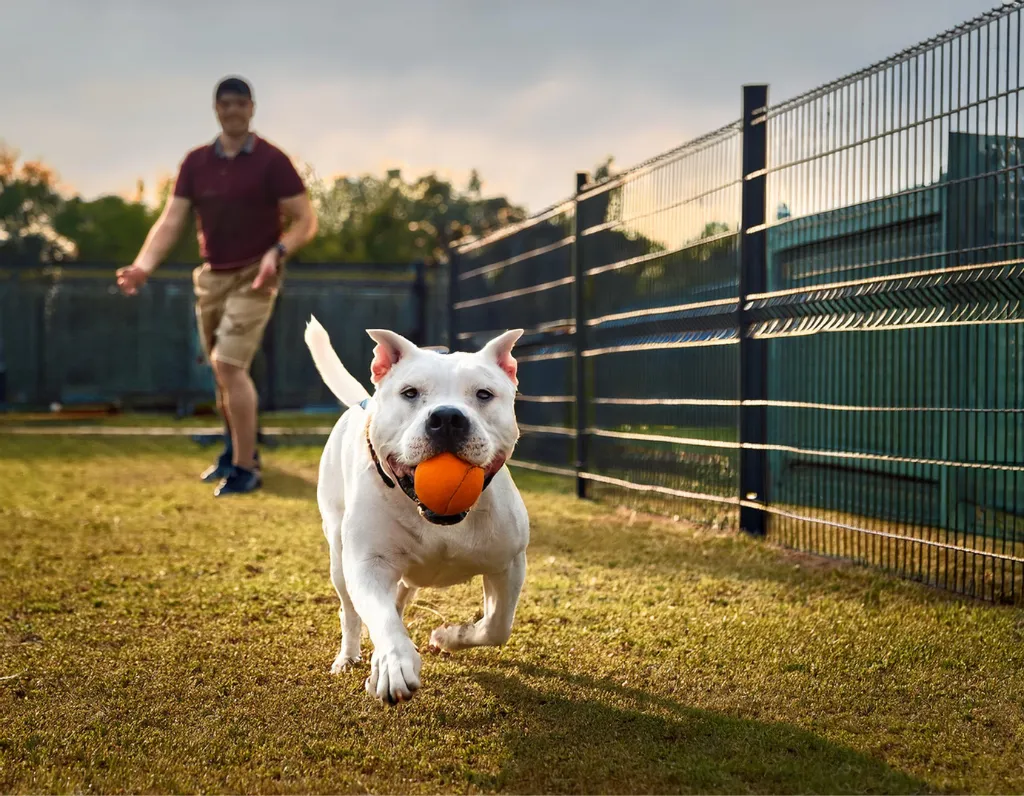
<point x="408" y="486"/>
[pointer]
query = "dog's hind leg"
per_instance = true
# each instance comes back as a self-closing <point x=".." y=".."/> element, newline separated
<point x="501" y="595"/>
<point x="406" y="594"/>
<point x="351" y="624"/>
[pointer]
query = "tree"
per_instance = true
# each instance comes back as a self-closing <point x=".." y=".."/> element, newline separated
<point x="604" y="169"/>
<point x="107" y="229"/>
<point x="111" y="229"/>
<point x="368" y="219"/>
<point x="389" y="219"/>
<point x="29" y="205"/>
<point x="713" y="228"/>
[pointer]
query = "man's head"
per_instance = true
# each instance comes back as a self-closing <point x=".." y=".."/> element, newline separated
<point x="234" y="105"/>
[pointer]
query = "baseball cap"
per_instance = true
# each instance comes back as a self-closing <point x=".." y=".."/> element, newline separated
<point x="232" y="85"/>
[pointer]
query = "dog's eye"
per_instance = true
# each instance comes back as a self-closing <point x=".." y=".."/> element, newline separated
<point x="484" y="395"/>
<point x="411" y="393"/>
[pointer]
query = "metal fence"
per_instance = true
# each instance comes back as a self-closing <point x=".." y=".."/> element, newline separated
<point x="68" y="336"/>
<point x="806" y="324"/>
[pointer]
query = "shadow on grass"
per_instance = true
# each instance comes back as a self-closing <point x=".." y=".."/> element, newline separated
<point x="83" y="448"/>
<point x="587" y="744"/>
<point x="282" y="483"/>
<point x="595" y="534"/>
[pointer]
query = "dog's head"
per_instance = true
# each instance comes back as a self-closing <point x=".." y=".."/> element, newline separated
<point x="428" y="403"/>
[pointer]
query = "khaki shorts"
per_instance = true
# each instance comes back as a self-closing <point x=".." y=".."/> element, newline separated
<point x="231" y="315"/>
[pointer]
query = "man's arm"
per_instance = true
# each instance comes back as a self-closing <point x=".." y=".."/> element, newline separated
<point x="299" y="209"/>
<point x="159" y="241"/>
<point x="300" y="232"/>
<point x="164" y="234"/>
<point x="295" y="205"/>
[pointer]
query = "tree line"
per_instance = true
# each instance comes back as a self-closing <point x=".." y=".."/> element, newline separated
<point x="365" y="219"/>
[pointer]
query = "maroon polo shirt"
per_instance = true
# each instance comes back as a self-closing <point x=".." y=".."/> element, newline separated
<point x="236" y="199"/>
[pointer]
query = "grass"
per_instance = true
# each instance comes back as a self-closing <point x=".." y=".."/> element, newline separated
<point x="156" y="640"/>
<point x="291" y="420"/>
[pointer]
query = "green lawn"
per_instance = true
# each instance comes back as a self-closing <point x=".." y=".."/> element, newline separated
<point x="290" y="420"/>
<point x="157" y="640"/>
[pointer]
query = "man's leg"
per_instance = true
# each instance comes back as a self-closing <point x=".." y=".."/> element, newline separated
<point x="240" y="403"/>
<point x="222" y="408"/>
<point x="211" y="292"/>
<point x="239" y="337"/>
<point x="222" y="467"/>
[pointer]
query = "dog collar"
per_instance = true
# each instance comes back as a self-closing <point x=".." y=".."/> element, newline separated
<point x="409" y="487"/>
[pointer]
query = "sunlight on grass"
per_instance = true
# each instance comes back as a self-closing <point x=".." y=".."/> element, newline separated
<point x="157" y="640"/>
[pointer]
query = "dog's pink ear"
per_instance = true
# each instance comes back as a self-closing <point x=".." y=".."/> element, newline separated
<point x="500" y="350"/>
<point x="390" y="350"/>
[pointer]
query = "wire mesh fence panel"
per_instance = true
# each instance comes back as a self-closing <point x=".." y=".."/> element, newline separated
<point x="660" y="258"/>
<point x="68" y="336"/>
<point x="346" y="310"/>
<point x="522" y="277"/>
<point x="71" y="338"/>
<point x="812" y="315"/>
<point x="892" y="313"/>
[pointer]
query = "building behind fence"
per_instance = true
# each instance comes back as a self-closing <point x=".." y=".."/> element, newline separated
<point x="806" y="324"/>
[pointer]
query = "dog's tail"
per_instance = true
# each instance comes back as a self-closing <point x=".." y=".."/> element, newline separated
<point x="338" y="380"/>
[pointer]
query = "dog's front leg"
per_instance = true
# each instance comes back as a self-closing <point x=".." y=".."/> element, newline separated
<point x="395" y="666"/>
<point x="501" y="595"/>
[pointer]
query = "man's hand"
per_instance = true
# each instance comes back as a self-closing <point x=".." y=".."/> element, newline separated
<point x="267" y="276"/>
<point x="158" y="243"/>
<point x="131" y="278"/>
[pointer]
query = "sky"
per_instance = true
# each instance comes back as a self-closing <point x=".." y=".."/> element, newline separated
<point x="111" y="91"/>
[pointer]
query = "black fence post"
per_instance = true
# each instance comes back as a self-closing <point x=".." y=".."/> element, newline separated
<point x="453" y="297"/>
<point x="753" y="280"/>
<point x="579" y="314"/>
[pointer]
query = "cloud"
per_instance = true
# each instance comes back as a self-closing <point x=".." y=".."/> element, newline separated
<point x="527" y="93"/>
<point x="526" y="142"/>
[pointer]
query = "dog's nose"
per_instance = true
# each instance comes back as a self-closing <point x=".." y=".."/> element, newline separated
<point x="447" y="426"/>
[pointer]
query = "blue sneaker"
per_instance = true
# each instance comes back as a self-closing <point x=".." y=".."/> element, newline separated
<point x="239" y="482"/>
<point x="222" y="469"/>
<point x="218" y="471"/>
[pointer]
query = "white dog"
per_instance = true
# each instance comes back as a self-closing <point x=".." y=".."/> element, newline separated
<point x="384" y="544"/>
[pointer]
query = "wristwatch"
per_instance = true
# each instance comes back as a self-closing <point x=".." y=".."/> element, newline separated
<point x="282" y="252"/>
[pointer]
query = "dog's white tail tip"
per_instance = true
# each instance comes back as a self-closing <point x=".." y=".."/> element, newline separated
<point x="314" y="329"/>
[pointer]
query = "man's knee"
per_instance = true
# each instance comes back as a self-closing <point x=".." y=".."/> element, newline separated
<point x="228" y="374"/>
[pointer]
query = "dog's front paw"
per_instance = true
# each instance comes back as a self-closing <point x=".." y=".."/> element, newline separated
<point x="394" y="673"/>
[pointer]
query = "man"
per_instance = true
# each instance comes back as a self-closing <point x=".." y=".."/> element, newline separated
<point x="239" y="186"/>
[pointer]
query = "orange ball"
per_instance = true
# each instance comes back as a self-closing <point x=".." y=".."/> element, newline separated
<point x="447" y="485"/>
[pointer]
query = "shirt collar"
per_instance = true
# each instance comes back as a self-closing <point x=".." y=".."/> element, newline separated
<point x="247" y="147"/>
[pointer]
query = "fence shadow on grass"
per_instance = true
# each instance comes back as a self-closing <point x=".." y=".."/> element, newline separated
<point x="587" y="743"/>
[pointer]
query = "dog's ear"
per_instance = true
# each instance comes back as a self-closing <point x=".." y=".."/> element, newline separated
<point x="500" y="350"/>
<point x="391" y="348"/>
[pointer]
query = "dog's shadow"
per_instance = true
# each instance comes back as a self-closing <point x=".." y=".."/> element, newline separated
<point x="580" y="734"/>
<point x="284" y="484"/>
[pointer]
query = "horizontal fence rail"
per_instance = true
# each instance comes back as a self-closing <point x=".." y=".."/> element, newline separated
<point x="806" y="323"/>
